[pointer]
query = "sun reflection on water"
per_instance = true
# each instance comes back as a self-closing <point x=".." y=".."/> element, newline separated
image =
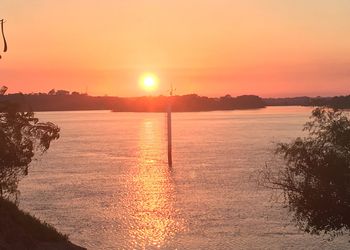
<point x="155" y="220"/>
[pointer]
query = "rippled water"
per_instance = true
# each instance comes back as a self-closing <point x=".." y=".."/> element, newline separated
<point x="106" y="182"/>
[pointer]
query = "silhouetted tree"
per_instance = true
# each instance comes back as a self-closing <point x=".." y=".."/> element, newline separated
<point x="52" y="92"/>
<point x="62" y="92"/>
<point x="3" y="90"/>
<point x="315" y="178"/>
<point x="21" y="136"/>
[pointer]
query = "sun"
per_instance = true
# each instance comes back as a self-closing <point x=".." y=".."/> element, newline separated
<point x="149" y="82"/>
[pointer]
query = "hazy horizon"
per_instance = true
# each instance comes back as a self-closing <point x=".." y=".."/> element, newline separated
<point x="268" y="48"/>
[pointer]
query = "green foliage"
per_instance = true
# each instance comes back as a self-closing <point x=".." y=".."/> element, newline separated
<point x="21" y="137"/>
<point x="315" y="176"/>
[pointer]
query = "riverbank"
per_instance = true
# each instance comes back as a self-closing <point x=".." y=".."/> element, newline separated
<point x="20" y="230"/>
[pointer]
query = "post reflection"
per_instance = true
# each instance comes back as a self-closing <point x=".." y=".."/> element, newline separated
<point x="154" y="217"/>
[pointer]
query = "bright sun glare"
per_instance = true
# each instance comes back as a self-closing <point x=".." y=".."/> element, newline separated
<point x="149" y="82"/>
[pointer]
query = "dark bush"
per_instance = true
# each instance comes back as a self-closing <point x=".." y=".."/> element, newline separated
<point x="21" y="137"/>
<point x="315" y="176"/>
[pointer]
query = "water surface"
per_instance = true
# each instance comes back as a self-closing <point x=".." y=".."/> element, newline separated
<point x="106" y="182"/>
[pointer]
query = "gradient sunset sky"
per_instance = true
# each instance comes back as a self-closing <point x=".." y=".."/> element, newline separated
<point x="209" y="47"/>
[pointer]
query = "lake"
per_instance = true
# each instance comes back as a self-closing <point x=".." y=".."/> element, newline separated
<point x="107" y="185"/>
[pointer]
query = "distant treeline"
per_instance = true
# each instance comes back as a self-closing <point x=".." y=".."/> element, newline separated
<point x="64" y="101"/>
<point x="292" y="101"/>
<point x="340" y="102"/>
<point x="189" y="103"/>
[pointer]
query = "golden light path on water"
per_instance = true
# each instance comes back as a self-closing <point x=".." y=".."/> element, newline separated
<point x="155" y="220"/>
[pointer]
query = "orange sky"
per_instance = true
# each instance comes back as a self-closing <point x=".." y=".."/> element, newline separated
<point x="209" y="47"/>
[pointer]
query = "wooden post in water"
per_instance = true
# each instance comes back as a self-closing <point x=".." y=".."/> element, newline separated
<point x="170" y="156"/>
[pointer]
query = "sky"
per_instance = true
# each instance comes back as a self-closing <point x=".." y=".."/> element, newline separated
<point x="270" y="48"/>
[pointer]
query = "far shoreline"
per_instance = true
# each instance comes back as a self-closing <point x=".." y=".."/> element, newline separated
<point x="65" y="101"/>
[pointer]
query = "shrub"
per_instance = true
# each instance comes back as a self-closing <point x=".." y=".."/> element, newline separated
<point x="21" y="137"/>
<point x="315" y="176"/>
